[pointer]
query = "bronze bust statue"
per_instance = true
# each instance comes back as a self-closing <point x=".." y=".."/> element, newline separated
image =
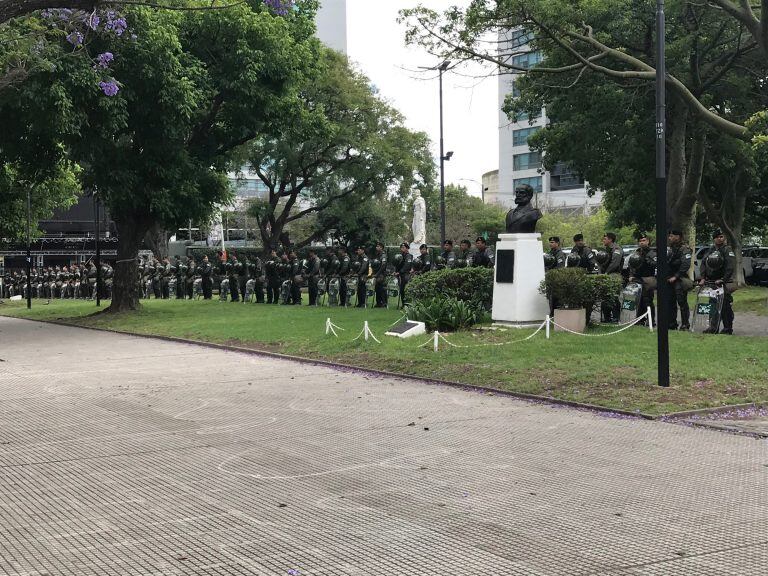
<point x="523" y="218"/>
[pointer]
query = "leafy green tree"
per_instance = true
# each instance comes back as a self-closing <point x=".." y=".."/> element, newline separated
<point x="596" y="81"/>
<point x="334" y="148"/>
<point x="194" y="86"/>
<point x="57" y="188"/>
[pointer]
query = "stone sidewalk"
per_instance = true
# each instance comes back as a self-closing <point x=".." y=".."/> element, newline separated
<point x="127" y="456"/>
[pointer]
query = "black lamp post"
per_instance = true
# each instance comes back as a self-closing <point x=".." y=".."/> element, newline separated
<point x="443" y="156"/>
<point x="662" y="318"/>
<point x="29" y="248"/>
<point x="97" y="220"/>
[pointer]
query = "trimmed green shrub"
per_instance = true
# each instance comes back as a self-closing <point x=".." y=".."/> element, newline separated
<point x="573" y="288"/>
<point x="444" y="314"/>
<point x="471" y="285"/>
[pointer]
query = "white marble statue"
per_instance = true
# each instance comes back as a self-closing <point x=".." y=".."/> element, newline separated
<point x="419" y="225"/>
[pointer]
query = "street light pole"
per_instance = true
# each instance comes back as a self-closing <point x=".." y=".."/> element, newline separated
<point x="442" y="68"/>
<point x="98" y="248"/>
<point x="29" y="248"/>
<point x="662" y="317"/>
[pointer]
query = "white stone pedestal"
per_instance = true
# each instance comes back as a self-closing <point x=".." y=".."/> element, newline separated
<point x="415" y="249"/>
<point x="516" y="298"/>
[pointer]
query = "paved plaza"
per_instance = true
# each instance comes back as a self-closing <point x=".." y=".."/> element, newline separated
<point x="123" y="456"/>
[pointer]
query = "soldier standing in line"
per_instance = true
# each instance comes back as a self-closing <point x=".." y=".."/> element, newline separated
<point x="403" y="266"/>
<point x="614" y="265"/>
<point x="241" y="273"/>
<point x="425" y="260"/>
<point x="233" y="273"/>
<point x="379" y="266"/>
<point x="312" y="274"/>
<point x="363" y="265"/>
<point x="181" y="275"/>
<point x="189" y="278"/>
<point x="483" y="256"/>
<point x="206" y="277"/>
<point x="296" y="277"/>
<point x="464" y="255"/>
<point x="447" y="255"/>
<point x="557" y="254"/>
<point x="642" y="269"/>
<point x="718" y="265"/>
<point x="344" y="266"/>
<point x="272" y="273"/>
<point x="586" y="256"/>
<point x="680" y="261"/>
<point x="256" y="273"/>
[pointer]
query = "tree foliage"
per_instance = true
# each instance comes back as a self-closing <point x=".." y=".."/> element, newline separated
<point x="596" y="82"/>
<point x="194" y="86"/>
<point x="336" y="146"/>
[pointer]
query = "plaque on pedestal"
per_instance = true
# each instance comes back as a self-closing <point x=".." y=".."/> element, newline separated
<point x="519" y="272"/>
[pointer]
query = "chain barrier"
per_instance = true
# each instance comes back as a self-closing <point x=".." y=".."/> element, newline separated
<point x="626" y="327"/>
<point x="437" y="335"/>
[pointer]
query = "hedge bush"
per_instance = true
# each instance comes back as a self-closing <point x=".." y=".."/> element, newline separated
<point x="573" y="288"/>
<point x="471" y="285"/>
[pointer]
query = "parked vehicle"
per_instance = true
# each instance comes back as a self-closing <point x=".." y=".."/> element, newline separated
<point x="759" y="261"/>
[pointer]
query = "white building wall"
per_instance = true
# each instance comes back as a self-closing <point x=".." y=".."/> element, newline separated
<point x="548" y="199"/>
<point x="332" y="24"/>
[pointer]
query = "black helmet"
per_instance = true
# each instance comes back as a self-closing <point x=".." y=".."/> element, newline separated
<point x="228" y="266"/>
<point x="602" y="256"/>
<point x="440" y="261"/>
<point x="573" y="260"/>
<point x="375" y="263"/>
<point x="549" y="261"/>
<point x="324" y="263"/>
<point x="398" y="259"/>
<point x="417" y="264"/>
<point x="356" y="265"/>
<point x="635" y="261"/>
<point x="715" y="260"/>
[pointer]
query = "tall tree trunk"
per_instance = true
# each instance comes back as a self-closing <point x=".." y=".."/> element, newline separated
<point x="157" y="240"/>
<point x="728" y="213"/>
<point x="125" y="283"/>
<point x="687" y="154"/>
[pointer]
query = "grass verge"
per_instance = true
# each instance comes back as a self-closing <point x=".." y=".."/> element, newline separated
<point x="616" y="371"/>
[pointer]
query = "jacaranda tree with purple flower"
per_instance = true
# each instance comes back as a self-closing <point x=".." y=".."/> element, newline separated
<point x="191" y="89"/>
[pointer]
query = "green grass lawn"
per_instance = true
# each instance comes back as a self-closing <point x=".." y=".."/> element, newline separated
<point x="751" y="299"/>
<point x="615" y="371"/>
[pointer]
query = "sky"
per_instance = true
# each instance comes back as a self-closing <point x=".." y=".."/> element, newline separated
<point x="376" y="43"/>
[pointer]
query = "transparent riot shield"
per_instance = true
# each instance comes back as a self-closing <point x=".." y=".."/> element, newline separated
<point x="224" y="290"/>
<point x="630" y="302"/>
<point x="393" y="291"/>
<point x="707" y="312"/>
<point x="334" y="287"/>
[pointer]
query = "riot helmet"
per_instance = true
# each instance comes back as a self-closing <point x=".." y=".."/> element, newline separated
<point x="602" y="256"/>
<point x="715" y="260"/>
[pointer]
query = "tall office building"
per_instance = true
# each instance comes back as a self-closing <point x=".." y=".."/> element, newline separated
<point x="332" y="24"/>
<point x="557" y="190"/>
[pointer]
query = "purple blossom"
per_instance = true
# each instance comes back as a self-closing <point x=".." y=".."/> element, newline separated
<point x="109" y="87"/>
<point x="75" y="38"/>
<point x="280" y="7"/>
<point x="103" y="60"/>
